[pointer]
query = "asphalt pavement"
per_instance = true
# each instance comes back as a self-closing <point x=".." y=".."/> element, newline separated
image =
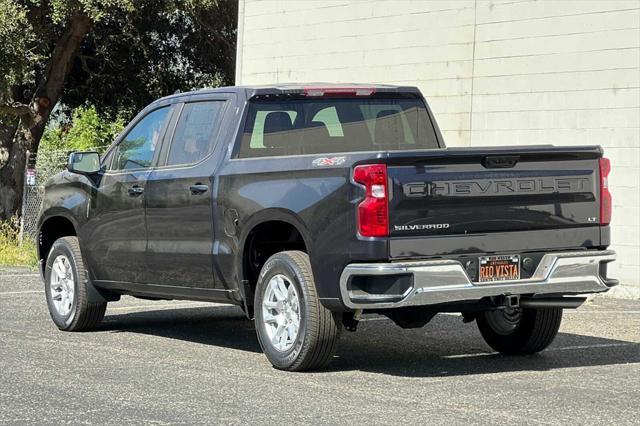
<point x="171" y="362"/>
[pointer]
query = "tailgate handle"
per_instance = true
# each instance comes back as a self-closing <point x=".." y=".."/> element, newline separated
<point x="500" y="161"/>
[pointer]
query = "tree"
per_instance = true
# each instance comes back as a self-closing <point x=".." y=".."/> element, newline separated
<point x="56" y="55"/>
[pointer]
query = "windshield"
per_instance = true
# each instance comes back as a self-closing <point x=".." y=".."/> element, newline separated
<point x="319" y="126"/>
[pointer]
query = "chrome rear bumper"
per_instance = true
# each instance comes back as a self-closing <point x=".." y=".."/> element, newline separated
<point x="444" y="281"/>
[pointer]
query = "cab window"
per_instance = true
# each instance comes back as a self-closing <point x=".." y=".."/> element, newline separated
<point x="137" y="149"/>
<point x="195" y="133"/>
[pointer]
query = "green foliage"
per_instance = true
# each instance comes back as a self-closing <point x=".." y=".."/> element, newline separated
<point x="12" y="252"/>
<point x="16" y="59"/>
<point x="133" y="58"/>
<point x="118" y="55"/>
<point x="61" y="10"/>
<point x="86" y="130"/>
<point x="28" y="29"/>
<point x="136" y="50"/>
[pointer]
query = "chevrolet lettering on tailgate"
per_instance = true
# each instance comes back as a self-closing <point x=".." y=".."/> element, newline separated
<point x="497" y="187"/>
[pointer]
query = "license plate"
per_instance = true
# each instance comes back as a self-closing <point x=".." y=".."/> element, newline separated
<point x="499" y="268"/>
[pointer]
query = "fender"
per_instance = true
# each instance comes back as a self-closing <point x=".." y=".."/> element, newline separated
<point x="272" y="214"/>
<point x="94" y="295"/>
<point x="50" y="213"/>
<point x="68" y="195"/>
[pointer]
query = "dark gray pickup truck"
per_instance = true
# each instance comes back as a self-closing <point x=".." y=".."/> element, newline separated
<point x="308" y="206"/>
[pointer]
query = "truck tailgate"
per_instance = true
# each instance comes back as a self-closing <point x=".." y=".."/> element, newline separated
<point x="473" y="191"/>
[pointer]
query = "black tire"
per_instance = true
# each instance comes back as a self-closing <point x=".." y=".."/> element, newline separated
<point x="319" y="330"/>
<point x="83" y="314"/>
<point x="532" y="332"/>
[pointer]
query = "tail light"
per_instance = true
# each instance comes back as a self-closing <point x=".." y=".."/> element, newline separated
<point x="605" y="195"/>
<point x="373" y="212"/>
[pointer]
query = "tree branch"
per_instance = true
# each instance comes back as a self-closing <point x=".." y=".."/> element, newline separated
<point x="84" y="64"/>
<point x="52" y="82"/>
<point x="22" y="111"/>
<point x="62" y="57"/>
<point x="15" y="109"/>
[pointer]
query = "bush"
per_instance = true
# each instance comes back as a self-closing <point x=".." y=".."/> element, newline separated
<point x="85" y="131"/>
<point x="12" y="252"/>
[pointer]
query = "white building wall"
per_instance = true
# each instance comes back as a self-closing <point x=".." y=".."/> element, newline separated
<point x="494" y="72"/>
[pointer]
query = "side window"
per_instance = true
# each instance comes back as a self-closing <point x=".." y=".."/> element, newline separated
<point x="194" y="137"/>
<point x="136" y="150"/>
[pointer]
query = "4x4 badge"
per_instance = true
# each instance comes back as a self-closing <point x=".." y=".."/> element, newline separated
<point x="329" y="161"/>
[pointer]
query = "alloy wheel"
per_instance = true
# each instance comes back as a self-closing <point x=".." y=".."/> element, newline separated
<point x="62" y="285"/>
<point x="281" y="312"/>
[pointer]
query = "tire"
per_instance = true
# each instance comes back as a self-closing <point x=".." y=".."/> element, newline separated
<point x="521" y="332"/>
<point x="313" y="344"/>
<point x="67" y="301"/>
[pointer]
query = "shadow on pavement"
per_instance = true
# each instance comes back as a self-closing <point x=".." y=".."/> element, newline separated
<point x="224" y="326"/>
<point x="444" y="347"/>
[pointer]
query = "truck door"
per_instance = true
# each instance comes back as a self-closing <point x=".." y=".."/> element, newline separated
<point x="117" y="238"/>
<point x="180" y="199"/>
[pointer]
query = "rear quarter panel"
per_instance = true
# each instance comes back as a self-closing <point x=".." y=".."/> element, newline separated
<point x="318" y="199"/>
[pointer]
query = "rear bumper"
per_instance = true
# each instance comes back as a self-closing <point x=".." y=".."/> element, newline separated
<point x="445" y="281"/>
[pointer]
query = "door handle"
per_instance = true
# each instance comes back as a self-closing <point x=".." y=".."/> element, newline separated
<point x="198" y="189"/>
<point x="134" y="191"/>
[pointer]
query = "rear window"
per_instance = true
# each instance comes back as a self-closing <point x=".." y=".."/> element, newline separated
<point x="320" y="126"/>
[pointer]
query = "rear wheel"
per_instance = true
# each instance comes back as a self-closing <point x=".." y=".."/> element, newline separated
<point x="520" y="331"/>
<point x="66" y="290"/>
<point x="295" y="331"/>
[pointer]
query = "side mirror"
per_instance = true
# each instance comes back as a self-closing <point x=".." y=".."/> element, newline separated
<point x="84" y="163"/>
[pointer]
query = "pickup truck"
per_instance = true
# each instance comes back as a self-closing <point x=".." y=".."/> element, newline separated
<point x="311" y="205"/>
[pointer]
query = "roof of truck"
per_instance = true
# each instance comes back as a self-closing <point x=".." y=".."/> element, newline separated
<point x="300" y="88"/>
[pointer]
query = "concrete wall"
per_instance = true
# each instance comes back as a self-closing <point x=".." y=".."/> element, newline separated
<point x="495" y="72"/>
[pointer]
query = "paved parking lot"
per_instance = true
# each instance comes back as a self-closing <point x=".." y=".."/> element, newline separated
<point x="182" y="362"/>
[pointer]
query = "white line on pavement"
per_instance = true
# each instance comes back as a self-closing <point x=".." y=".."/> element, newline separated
<point x="469" y="355"/>
<point x="18" y="275"/>
<point x="602" y="345"/>
<point x="20" y="292"/>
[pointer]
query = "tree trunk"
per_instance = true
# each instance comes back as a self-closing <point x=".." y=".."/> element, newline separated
<point x="27" y="137"/>
<point x="12" y="156"/>
<point x="52" y="83"/>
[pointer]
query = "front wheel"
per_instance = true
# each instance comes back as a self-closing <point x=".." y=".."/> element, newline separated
<point x="520" y="331"/>
<point x="66" y="283"/>
<point x="295" y="331"/>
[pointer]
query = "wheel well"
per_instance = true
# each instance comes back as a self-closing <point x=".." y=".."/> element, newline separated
<point x="265" y="240"/>
<point x="52" y="229"/>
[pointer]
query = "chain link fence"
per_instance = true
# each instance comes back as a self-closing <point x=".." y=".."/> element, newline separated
<point x="39" y="169"/>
